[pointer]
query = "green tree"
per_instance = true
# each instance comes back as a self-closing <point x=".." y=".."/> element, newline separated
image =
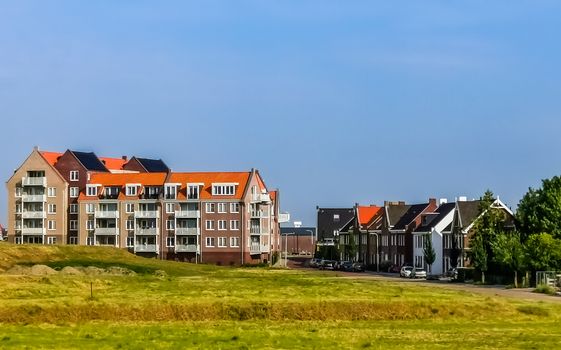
<point x="351" y="247"/>
<point x="428" y="251"/>
<point x="540" y="209"/>
<point x="508" y="251"/>
<point x="478" y="255"/>
<point x="543" y="252"/>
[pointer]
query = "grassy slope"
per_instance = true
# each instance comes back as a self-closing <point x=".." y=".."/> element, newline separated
<point x="202" y="306"/>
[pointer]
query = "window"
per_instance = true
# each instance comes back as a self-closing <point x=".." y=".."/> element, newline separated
<point x="89" y="225"/>
<point x="74" y="191"/>
<point x="234" y="207"/>
<point x="335" y="217"/>
<point x="51" y="208"/>
<point x="51" y="225"/>
<point x="73" y="225"/>
<point x="129" y="208"/>
<point x="18" y="240"/>
<point x="91" y="190"/>
<point x="170" y="191"/>
<point x="19" y="191"/>
<point x="170" y="208"/>
<point x="130" y="225"/>
<point x="111" y="192"/>
<point x="222" y="242"/>
<point x="51" y="192"/>
<point x="90" y="209"/>
<point x="223" y="189"/>
<point x="73" y="240"/>
<point x="170" y="242"/>
<point x="221" y="207"/>
<point x="222" y="224"/>
<point x="234" y="241"/>
<point x="234" y="224"/>
<point x="131" y="190"/>
<point x="73" y="208"/>
<point x="209" y="225"/>
<point x="170" y="224"/>
<point x="90" y="241"/>
<point x="74" y="175"/>
<point x="210" y="241"/>
<point x="130" y="242"/>
<point x="192" y="191"/>
<point x="210" y="207"/>
<point x="51" y="240"/>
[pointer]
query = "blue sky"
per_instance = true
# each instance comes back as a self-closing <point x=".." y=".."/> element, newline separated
<point x="335" y="102"/>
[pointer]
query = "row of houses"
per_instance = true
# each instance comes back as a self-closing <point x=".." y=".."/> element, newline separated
<point x="395" y="233"/>
<point x="139" y="204"/>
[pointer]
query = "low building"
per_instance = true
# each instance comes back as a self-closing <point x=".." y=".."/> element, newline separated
<point x="298" y="240"/>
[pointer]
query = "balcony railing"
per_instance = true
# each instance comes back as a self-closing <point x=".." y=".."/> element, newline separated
<point x="146" y="248"/>
<point x="107" y="214"/>
<point x="33" y="231"/>
<point x="187" y="248"/>
<point x="34" y="181"/>
<point x="187" y="231"/>
<point x="261" y="197"/>
<point x="111" y="231"/>
<point x="152" y="231"/>
<point x="259" y="214"/>
<point x="33" y="215"/>
<point x="255" y="248"/>
<point x="258" y="231"/>
<point x="187" y="214"/>
<point x="147" y="214"/>
<point x="265" y="248"/>
<point x="33" y="197"/>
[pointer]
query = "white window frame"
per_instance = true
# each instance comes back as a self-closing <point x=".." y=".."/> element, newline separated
<point x="222" y="242"/>
<point x="234" y="225"/>
<point x="18" y="192"/>
<point x="74" y="192"/>
<point x="51" y="192"/>
<point x="170" y="225"/>
<point x="209" y="242"/>
<point x="73" y="225"/>
<point x="129" y="225"/>
<point x="170" y="208"/>
<point x="234" y="207"/>
<point x="222" y="225"/>
<point x="90" y="225"/>
<point x="169" y="193"/>
<point x="51" y="208"/>
<point x="51" y="225"/>
<point x="91" y="190"/>
<point x="224" y="189"/>
<point x="73" y="240"/>
<point x="90" y="240"/>
<point x="210" y="208"/>
<point x="222" y="207"/>
<point x="73" y="208"/>
<point x="129" y="208"/>
<point x="74" y="175"/>
<point x="18" y="240"/>
<point x="209" y="225"/>
<point x="193" y="191"/>
<point x="170" y="241"/>
<point x="234" y="242"/>
<point x="51" y="240"/>
<point x="130" y="241"/>
<point x="131" y="190"/>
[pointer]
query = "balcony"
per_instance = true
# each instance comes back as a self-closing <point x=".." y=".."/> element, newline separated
<point x="29" y="198"/>
<point x="147" y="214"/>
<point x="152" y="231"/>
<point x="33" y="215"/>
<point x="258" y="231"/>
<point x="107" y="231"/>
<point x="259" y="214"/>
<point x="146" y="248"/>
<point x="33" y="231"/>
<point x="254" y="248"/>
<point x="187" y="248"/>
<point x="187" y="214"/>
<point x="107" y="214"/>
<point x="265" y="248"/>
<point x="34" y="181"/>
<point x="187" y="231"/>
<point x="262" y="197"/>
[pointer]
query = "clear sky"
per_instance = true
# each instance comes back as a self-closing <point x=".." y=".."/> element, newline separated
<point x="335" y="102"/>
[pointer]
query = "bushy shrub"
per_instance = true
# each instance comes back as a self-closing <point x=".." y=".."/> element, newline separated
<point x="545" y="289"/>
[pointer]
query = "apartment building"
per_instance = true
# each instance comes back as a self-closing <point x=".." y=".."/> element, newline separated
<point x="228" y="218"/>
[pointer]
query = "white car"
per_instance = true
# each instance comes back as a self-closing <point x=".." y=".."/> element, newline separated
<point x="406" y="271"/>
<point x="418" y="273"/>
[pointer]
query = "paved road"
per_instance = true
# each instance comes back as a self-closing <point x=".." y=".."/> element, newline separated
<point x="496" y="290"/>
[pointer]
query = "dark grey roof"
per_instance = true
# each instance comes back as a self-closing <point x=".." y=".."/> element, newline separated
<point x="327" y="222"/>
<point x="441" y="213"/>
<point x="410" y="215"/>
<point x="298" y="231"/>
<point x="468" y="211"/>
<point x="153" y="165"/>
<point x="395" y="212"/>
<point x="90" y="161"/>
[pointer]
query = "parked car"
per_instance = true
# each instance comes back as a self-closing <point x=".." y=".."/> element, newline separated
<point x="315" y="262"/>
<point x="358" y="267"/>
<point x="347" y="266"/>
<point x="406" y="271"/>
<point x="340" y="265"/>
<point x="327" y="265"/>
<point x="418" y="273"/>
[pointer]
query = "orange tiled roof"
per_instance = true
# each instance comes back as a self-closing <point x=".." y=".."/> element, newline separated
<point x="273" y="195"/>
<point x="120" y="180"/>
<point x="366" y="213"/>
<point x="208" y="179"/>
<point x="51" y="157"/>
<point x="113" y="163"/>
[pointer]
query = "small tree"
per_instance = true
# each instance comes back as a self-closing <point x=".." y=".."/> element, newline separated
<point x="455" y="251"/>
<point x="543" y="252"/>
<point x="428" y="251"/>
<point x="509" y="252"/>
<point x="478" y="255"/>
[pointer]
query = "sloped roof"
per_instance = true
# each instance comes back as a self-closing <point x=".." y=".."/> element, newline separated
<point x="410" y="215"/>
<point x="208" y="178"/>
<point x="51" y="157"/>
<point x="395" y="212"/>
<point x="468" y="211"/>
<point x="120" y="180"/>
<point x="153" y="165"/>
<point x="366" y="213"/>
<point x="441" y="212"/>
<point x="113" y="163"/>
<point x="90" y="161"/>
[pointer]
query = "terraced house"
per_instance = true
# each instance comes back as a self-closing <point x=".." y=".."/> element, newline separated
<point x="142" y="206"/>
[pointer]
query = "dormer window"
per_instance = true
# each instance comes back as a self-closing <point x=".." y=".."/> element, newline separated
<point x="224" y="189"/>
<point x="193" y="191"/>
<point x="170" y="191"/>
<point x="132" y="190"/>
<point x="111" y="192"/>
<point x="91" y="190"/>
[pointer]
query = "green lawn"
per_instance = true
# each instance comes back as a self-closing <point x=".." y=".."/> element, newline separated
<point x="199" y="306"/>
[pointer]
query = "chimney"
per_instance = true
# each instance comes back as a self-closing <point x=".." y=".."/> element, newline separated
<point x="125" y="158"/>
<point x="432" y="201"/>
<point x="442" y="201"/>
<point x="462" y="199"/>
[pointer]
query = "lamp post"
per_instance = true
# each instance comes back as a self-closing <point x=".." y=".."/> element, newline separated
<point x="311" y="237"/>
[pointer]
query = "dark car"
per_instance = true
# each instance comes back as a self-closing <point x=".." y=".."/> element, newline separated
<point x="327" y="265"/>
<point x="359" y="267"/>
<point x="347" y="266"/>
<point x="315" y="262"/>
<point x="340" y="265"/>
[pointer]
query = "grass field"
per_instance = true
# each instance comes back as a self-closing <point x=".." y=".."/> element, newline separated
<point x="200" y="306"/>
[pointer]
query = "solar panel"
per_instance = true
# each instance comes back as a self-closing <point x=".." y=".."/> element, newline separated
<point x="90" y="161"/>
